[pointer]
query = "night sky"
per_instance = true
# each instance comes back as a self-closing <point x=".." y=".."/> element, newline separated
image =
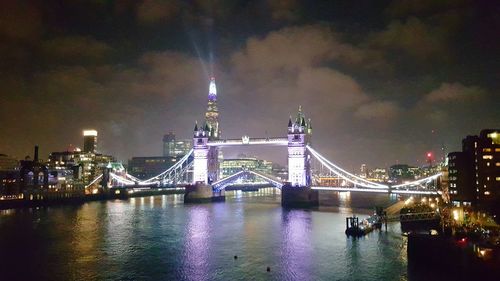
<point x="383" y="82"/>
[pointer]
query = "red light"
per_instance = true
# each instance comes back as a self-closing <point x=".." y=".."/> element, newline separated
<point x="429" y="154"/>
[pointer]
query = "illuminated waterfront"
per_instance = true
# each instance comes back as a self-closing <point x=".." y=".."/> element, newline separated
<point x="160" y="238"/>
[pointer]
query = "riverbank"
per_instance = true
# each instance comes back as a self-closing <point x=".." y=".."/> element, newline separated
<point x="51" y="198"/>
<point x="452" y="258"/>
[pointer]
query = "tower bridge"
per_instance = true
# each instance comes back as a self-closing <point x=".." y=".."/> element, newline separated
<point x="198" y="171"/>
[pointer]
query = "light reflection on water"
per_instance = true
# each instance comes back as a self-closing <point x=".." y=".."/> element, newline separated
<point x="160" y="238"/>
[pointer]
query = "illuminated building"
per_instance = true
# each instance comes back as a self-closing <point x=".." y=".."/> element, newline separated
<point x="173" y="147"/>
<point x="474" y="173"/>
<point x="148" y="167"/>
<point x="378" y="174"/>
<point x="460" y="179"/>
<point x="212" y="114"/>
<point x="364" y="171"/>
<point x="400" y="173"/>
<point x="89" y="141"/>
<point x="232" y="166"/>
<point x="84" y="166"/>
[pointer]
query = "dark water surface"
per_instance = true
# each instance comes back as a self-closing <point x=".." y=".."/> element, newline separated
<point x="160" y="238"/>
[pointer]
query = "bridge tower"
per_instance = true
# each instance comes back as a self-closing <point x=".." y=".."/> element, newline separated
<point x="205" y="169"/>
<point x="299" y="164"/>
<point x="297" y="192"/>
<point x="200" y="153"/>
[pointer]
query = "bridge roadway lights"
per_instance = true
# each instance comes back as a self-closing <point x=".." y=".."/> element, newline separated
<point x="299" y="197"/>
<point x="202" y="193"/>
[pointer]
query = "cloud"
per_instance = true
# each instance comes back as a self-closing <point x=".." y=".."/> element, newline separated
<point x="154" y="11"/>
<point x="81" y="49"/>
<point x="284" y="10"/>
<point x="413" y="37"/>
<point x="289" y="49"/>
<point x="403" y="8"/>
<point x="134" y="103"/>
<point x="385" y="110"/>
<point x="20" y="21"/>
<point x="453" y="92"/>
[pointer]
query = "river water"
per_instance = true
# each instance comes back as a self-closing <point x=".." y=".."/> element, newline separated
<point x="160" y="238"/>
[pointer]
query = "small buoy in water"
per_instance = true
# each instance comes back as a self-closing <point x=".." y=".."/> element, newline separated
<point x="268" y="269"/>
<point x="235" y="257"/>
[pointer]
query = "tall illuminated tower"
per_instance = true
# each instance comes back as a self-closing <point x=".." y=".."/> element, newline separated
<point x="212" y="114"/>
<point x="89" y="141"/>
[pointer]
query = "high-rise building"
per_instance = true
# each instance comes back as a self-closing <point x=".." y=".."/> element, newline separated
<point x="89" y="141"/>
<point x="212" y="114"/>
<point x="401" y="173"/>
<point x="474" y="173"/>
<point x="460" y="179"/>
<point x="173" y="147"/>
<point x="364" y="171"/>
<point x="148" y="167"/>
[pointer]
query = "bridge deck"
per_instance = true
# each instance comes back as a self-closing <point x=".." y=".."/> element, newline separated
<point x="249" y="141"/>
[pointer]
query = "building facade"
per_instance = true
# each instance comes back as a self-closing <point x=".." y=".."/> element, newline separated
<point x="232" y="166"/>
<point x="148" y="167"/>
<point x="90" y="141"/>
<point x="79" y="166"/>
<point x="173" y="147"/>
<point x="474" y="173"/>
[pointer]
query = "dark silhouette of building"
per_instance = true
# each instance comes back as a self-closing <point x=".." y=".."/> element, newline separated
<point x="9" y="175"/>
<point x="33" y="174"/>
<point x="474" y="173"/>
<point x="147" y="167"/>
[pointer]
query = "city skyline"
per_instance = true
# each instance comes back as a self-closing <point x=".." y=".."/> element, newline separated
<point x="381" y="87"/>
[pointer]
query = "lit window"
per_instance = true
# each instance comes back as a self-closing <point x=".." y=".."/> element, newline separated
<point x="486" y="149"/>
<point x="487" y="156"/>
<point x="486" y="193"/>
<point x="488" y="164"/>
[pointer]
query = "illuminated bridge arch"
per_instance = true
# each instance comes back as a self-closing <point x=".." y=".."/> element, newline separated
<point x="223" y="183"/>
